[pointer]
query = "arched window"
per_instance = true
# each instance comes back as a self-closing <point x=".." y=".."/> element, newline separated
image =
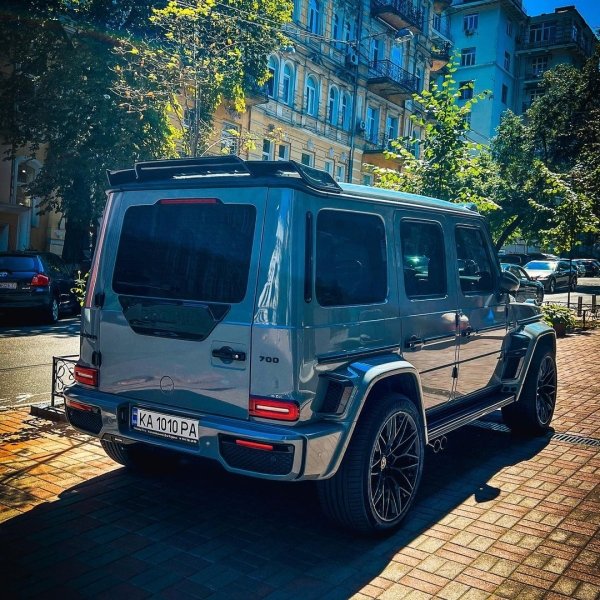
<point x="311" y="96"/>
<point x="287" y="84"/>
<point x="333" y="105"/>
<point x="346" y="110"/>
<point x="314" y="16"/>
<point x="273" y="83"/>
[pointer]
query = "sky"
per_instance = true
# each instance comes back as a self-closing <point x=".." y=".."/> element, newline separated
<point x="589" y="9"/>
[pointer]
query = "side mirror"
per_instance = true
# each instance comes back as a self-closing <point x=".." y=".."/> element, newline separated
<point x="509" y="282"/>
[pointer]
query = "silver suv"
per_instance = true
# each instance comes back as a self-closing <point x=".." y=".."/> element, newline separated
<point x="261" y="315"/>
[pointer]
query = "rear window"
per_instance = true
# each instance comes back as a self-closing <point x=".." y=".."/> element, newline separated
<point x="18" y="263"/>
<point x="186" y="251"/>
<point x="541" y="266"/>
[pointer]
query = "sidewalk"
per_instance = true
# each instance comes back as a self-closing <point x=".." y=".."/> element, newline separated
<point x="496" y="517"/>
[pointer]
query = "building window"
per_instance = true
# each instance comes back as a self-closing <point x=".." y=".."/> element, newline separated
<point x="367" y="179"/>
<point x="283" y="152"/>
<point x="230" y="138"/>
<point x="470" y="22"/>
<point x="542" y="32"/>
<point x="391" y="129"/>
<point x="340" y="173"/>
<point x="307" y="158"/>
<point x="273" y="83"/>
<point x="372" y="129"/>
<point x="539" y="64"/>
<point x="509" y="28"/>
<point x="574" y="33"/>
<point x="376" y="50"/>
<point x="311" y="102"/>
<point x="297" y="10"/>
<point x="329" y="165"/>
<point x="504" y="94"/>
<point x="314" y="16"/>
<point x="346" y="111"/>
<point x="507" y="61"/>
<point x="466" y="89"/>
<point x="336" y="28"/>
<point x="333" y="105"/>
<point x="419" y="78"/>
<point x="287" y="92"/>
<point x="268" y="149"/>
<point x="467" y="57"/>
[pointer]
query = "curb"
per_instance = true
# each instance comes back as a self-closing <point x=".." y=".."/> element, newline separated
<point x="50" y="413"/>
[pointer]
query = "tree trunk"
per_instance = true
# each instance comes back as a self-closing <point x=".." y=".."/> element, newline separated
<point x="508" y="231"/>
<point x="77" y="242"/>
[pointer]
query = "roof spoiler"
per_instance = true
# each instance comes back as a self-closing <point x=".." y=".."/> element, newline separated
<point x="206" y="166"/>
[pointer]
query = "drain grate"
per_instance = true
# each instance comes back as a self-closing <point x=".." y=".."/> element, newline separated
<point x="569" y="438"/>
<point x="574" y="438"/>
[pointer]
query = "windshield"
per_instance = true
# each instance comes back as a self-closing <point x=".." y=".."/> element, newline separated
<point x="17" y="263"/>
<point x="541" y="265"/>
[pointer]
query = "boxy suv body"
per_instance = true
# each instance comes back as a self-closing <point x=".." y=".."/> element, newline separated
<point x="261" y="315"/>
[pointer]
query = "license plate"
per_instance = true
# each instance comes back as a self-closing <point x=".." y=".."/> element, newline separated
<point x="164" y="425"/>
<point x="8" y="285"/>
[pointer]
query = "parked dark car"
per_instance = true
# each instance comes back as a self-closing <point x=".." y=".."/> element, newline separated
<point x="553" y="274"/>
<point x="516" y="258"/>
<point x="39" y="282"/>
<point x="529" y="289"/>
<point x="591" y="266"/>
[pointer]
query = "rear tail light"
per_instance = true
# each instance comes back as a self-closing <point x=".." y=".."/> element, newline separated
<point x="86" y="375"/>
<point x="40" y="280"/>
<point x="267" y="408"/>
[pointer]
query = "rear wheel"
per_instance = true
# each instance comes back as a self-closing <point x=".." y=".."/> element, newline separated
<point x="379" y="476"/>
<point x="551" y="286"/>
<point x="532" y="414"/>
<point x="52" y="311"/>
<point x="573" y="284"/>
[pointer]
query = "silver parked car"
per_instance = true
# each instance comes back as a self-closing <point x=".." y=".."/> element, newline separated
<point x="553" y="274"/>
<point x="291" y="328"/>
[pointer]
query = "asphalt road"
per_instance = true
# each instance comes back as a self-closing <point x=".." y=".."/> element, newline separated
<point x="586" y="287"/>
<point x="26" y="353"/>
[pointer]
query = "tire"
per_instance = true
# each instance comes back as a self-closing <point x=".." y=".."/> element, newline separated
<point x="540" y="296"/>
<point x="378" y="479"/>
<point x="51" y="313"/>
<point x="573" y="284"/>
<point x="551" y="286"/>
<point x="532" y="413"/>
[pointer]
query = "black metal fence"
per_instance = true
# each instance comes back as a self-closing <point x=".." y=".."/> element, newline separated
<point x="62" y="376"/>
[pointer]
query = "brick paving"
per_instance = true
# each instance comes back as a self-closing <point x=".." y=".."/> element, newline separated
<point x="497" y="517"/>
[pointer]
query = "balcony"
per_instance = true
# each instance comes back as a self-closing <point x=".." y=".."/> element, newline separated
<point x="388" y="80"/>
<point x="377" y="143"/>
<point x="398" y="14"/>
<point x="564" y="39"/>
<point x="440" y="56"/>
<point x="440" y="6"/>
<point x="255" y="93"/>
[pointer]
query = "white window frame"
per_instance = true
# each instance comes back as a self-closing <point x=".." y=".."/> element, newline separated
<point x="329" y="166"/>
<point x="310" y="159"/>
<point x="507" y="60"/>
<point x="229" y="140"/>
<point x="471" y="22"/>
<point x="346" y="110"/>
<point x="311" y="96"/>
<point x="283" y="151"/>
<point x="340" y="172"/>
<point x="268" y="149"/>
<point x="315" y="11"/>
<point x="273" y="83"/>
<point x="287" y="84"/>
<point x="468" y="56"/>
<point x="539" y="64"/>
<point x="333" y="105"/>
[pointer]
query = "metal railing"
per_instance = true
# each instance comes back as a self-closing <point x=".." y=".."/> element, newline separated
<point x="390" y="70"/>
<point x="62" y="375"/>
<point x="403" y="8"/>
<point x="565" y="38"/>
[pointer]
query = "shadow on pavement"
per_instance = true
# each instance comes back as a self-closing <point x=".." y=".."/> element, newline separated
<point x="197" y="530"/>
<point x="13" y="326"/>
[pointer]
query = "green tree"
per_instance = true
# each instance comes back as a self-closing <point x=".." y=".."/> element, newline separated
<point x="199" y="54"/>
<point x="449" y="166"/>
<point x="56" y="92"/>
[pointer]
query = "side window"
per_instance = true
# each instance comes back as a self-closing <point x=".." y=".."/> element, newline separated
<point x="351" y="263"/>
<point x="423" y="259"/>
<point x="474" y="265"/>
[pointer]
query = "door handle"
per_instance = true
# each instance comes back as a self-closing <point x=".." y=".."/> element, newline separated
<point x="226" y="353"/>
<point x="414" y="343"/>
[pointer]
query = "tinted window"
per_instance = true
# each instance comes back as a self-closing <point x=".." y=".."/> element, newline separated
<point x="423" y="259"/>
<point x="539" y="265"/>
<point x="186" y="251"/>
<point x="17" y="263"/>
<point x="474" y="266"/>
<point x="351" y="259"/>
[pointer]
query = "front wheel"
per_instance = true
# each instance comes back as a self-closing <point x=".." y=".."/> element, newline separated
<point x="51" y="312"/>
<point x="551" y="286"/>
<point x="573" y="284"/>
<point x="532" y="413"/>
<point x="379" y="476"/>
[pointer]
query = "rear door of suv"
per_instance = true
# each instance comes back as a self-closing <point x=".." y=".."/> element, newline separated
<point x="176" y="283"/>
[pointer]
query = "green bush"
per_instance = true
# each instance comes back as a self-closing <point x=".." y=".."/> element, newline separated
<point x="556" y="314"/>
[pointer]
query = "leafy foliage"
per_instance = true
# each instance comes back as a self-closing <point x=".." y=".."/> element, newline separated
<point x="449" y="166"/>
<point x="197" y="55"/>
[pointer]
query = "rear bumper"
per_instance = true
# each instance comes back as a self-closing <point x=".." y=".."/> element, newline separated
<point x="25" y="300"/>
<point x="312" y="447"/>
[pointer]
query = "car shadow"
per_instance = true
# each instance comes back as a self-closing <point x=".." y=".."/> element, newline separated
<point x="25" y="326"/>
<point x="193" y="528"/>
